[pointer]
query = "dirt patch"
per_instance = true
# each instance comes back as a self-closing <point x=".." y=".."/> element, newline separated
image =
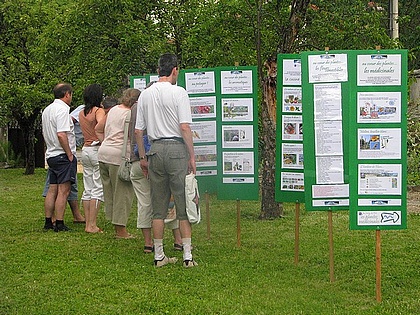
<point x="413" y="200"/>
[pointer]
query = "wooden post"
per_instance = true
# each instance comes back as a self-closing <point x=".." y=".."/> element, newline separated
<point x="297" y="214"/>
<point x="331" y="241"/>
<point x="378" y="266"/>
<point x="207" y="215"/>
<point x="238" y="222"/>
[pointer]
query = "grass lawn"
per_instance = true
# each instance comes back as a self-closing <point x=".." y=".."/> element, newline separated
<point x="78" y="273"/>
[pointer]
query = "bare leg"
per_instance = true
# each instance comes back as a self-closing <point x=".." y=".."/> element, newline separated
<point x="49" y="202"/>
<point x="158" y="228"/>
<point x="121" y="231"/>
<point x="93" y="207"/>
<point x="61" y="200"/>
<point x="147" y="235"/>
<point x="74" y="206"/>
<point x="185" y="228"/>
<point x="177" y="236"/>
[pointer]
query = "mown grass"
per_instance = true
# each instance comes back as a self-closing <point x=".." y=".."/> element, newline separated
<point x="78" y="273"/>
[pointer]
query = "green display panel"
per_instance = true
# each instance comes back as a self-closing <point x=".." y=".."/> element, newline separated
<point x="289" y="132"/>
<point x="201" y="87"/>
<point x="237" y="133"/>
<point x="325" y="99"/>
<point x="378" y="139"/>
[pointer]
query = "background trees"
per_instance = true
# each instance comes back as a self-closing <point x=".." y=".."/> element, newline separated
<point x="83" y="41"/>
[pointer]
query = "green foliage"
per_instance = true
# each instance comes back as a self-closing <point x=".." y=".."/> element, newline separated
<point x="8" y="158"/>
<point x="79" y="273"/>
<point x="409" y="29"/>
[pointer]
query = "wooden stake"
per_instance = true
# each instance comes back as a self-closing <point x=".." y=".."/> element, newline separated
<point x="378" y="266"/>
<point x="297" y="211"/>
<point x="331" y="241"/>
<point x="207" y="215"/>
<point x="238" y="222"/>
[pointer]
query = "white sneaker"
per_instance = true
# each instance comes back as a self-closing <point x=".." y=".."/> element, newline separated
<point x="190" y="263"/>
<point x="165" y="260"/>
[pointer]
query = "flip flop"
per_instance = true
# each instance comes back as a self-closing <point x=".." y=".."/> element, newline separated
<point x="128" y="237"/>
<point x="148" y="249"/>
<point x="79" y="222"/>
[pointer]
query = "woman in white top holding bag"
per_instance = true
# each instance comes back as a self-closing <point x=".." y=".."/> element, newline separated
<point x="118" y="194"/>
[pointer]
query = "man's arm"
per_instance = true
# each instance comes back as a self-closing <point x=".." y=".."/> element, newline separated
<point x="187" y="136"/>
<point x="142" y="151"/>
<point x="64" y="142"/>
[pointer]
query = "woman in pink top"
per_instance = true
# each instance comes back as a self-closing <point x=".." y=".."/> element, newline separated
<point x="118" y="195"/>
<point x="88" y="119"/>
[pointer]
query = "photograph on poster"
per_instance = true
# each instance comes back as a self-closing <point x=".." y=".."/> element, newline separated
<point x="292" y="127"/>
<point x="238" y="180"/>
<point x="328" y="137"/>
<point x="379" y="202"/>
<point x="292" y="72"/>
<point x="330" y="191"/>
<point x="236" y="82"/>
<point x="379" y="179"/>
<point x="327" y="68"/>
<point x="292" y="181"/>
<point x="292" y="155"/>
<point x="327" y="101"/>
<point x="203" y="107"/>
<point x="205" y="155"/>
<point x="379" y="69"/>
<point x="237" y="109"/>
<point x="200" y="82"/>
<point x="379" y="143"/>
<point x="203" y="131"/>
<point x="139" y="84"/>
<point x="292" y="99"/>
<point x="366" y="218"/>
<point x="329" y="170"/>
<point x="376" y="107"/>
<point x="238" y="136"/>
<point x="238" y="163"/>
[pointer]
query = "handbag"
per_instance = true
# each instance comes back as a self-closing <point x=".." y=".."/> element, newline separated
<point x="192" y="198"/>
<point x="125" y="167"/>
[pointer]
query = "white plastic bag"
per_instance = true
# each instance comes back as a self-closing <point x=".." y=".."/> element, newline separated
<point x="192" y="197"/>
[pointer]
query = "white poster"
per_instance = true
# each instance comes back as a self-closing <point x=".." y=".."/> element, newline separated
<point x="205" y="155"/>
<point x="378" y="69"/>
<point x="238" y="136"/>
<point x="329" y="170"/>
<point x="292" y="127"/>
<point x="292" y="181"/>
<point x="330" y="191"/>
<point x="292" y="72"/>
<point x="330" y="202"/>
<point x="238" y="180"/>
<point x="237" y="109"/>
<point x="379" y="143"/>
<point x="292" y="155"/>
<point x="382" y="202"/>
<point x="206" y="173"/>
<point x="379" y="179"/>
<point x="292" y="99"/>
<point x="379" y="107"/>
<point x="327" y="68"/>
<point x="203" y="107"/>
<point x="203" y="131"/>
<point x="236" y="82"/>
<point x="139" y="84"/>
<point x="327" y="101"/>
<point x="366" y="218"/>
<point x="200" y="82"/>
<point x="328" y="138"/>
<point x="238" y="163"/>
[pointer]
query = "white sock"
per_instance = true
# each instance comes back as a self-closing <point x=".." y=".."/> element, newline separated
<point x="186" y="243"/>
<point x="159" y="253"/>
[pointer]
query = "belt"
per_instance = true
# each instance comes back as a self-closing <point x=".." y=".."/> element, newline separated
<point x="170" y="138"/>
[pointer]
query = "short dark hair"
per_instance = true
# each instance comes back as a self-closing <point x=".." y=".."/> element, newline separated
<point x="61" y="89"/>
<point x="167" y="62"/>
<point x="92" y="96"/>
<point x="109" y="102"/>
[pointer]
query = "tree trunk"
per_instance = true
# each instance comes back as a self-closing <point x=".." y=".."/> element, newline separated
<point x="270" y="209"/>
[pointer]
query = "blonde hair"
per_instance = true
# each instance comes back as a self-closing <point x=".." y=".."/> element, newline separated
<point x="130" y="96"/>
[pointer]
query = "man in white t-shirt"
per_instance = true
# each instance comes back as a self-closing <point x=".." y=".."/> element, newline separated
<point x="58" y="132"/>
<point x="164" y="110"/>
